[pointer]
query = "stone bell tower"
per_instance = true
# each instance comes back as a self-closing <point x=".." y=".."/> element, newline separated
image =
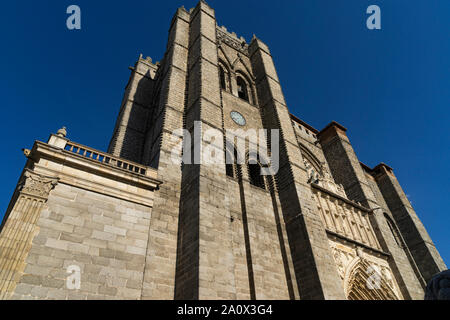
<point x="142" y="221"/>
<point x="218" y="231"/>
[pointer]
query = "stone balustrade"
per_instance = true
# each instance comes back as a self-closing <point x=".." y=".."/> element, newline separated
<point x="105" y="158"/>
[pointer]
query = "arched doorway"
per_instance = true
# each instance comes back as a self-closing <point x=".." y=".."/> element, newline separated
<point x="365" y="282"/>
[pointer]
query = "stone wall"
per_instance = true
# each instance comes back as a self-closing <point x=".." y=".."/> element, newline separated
<point x="105" y="237"/>
<point x="76" y="210"/>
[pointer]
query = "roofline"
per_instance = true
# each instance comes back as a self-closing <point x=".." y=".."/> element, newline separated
<point x="334" y="124"/>
<point x="303" y="123"/>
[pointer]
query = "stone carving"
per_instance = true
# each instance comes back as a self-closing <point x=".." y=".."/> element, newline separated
<point x="387" y="276"/>
<point x="238" y="44"/>
<point x="327" y="182"/>
<point x="313" y="174"/>
<point x="342" y="218"/>
<point x="36" y="185"/>
<point x="339" y="263"/>
<point x="355" y="267"/>
<point x="326" y="172"/>
<point x="358" y="279"/>
<point x="439" y="287"/>
<point x="62" y="132"/>
<point x="26" y="152"/>
<point x="360" y="253"/>
<point x="322" y="177"/>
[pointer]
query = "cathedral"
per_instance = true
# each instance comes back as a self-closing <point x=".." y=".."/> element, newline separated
<point x="141" y="222"/>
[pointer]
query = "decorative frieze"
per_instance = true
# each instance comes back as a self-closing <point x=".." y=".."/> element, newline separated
<point x="322" y="177"/>
<point x="238" y="44"/>
<point x="344" y="219"/>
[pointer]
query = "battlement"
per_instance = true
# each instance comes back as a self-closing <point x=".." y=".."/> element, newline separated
<point x="231" y="34"/>
<point x="149" y="61"/>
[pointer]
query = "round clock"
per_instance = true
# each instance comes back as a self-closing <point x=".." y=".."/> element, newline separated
<point x="238" y="118"/>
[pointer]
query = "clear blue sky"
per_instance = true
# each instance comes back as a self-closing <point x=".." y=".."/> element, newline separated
<point x="390" y="88"/>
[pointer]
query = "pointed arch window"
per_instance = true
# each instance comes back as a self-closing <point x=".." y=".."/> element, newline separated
<point x="242" y="88"/>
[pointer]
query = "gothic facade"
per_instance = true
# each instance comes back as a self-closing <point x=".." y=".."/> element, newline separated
<point x="140" y="225"/>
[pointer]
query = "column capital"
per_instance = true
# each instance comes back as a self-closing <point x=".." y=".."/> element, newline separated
<point x="36" y="185"/>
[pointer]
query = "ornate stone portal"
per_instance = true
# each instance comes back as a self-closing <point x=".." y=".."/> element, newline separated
<point x="364" y="276"/>
<point x="21" y="227"/>
<point x="362" y="266"/>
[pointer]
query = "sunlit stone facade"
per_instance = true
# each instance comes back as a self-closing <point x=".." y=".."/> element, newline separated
<point x="139" y="225"/>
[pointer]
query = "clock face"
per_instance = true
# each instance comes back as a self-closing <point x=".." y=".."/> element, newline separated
<point x="238" y="118"/>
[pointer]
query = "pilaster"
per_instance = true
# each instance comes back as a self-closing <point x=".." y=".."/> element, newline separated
<point x="413" y="231"/>
<point x="20" y="227"/>
<point x="159" y="276"/>
<point x="205" y="266"/>
<point x="315" y="269"/>
<point x="347" y="170"/>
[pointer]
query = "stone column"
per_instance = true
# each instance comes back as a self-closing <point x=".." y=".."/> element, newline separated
<point x="19" y="227"/>
<point x="347" y="170"/>
<point x="315" y="269"/>
<point x="414" y="233"/>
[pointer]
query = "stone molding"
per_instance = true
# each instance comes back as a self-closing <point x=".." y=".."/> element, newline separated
<point x="350" y="262"/>
<point x="20" y="228"/>
<point x="60" y="163"/>
<point x="235" y="43"/>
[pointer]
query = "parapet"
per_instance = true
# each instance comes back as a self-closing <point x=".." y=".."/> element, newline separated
<point x="232" y="40"/>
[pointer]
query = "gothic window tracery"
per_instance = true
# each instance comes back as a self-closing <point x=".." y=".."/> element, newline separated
<point x="364" y="276"/>
<point x="366" y="281"/>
